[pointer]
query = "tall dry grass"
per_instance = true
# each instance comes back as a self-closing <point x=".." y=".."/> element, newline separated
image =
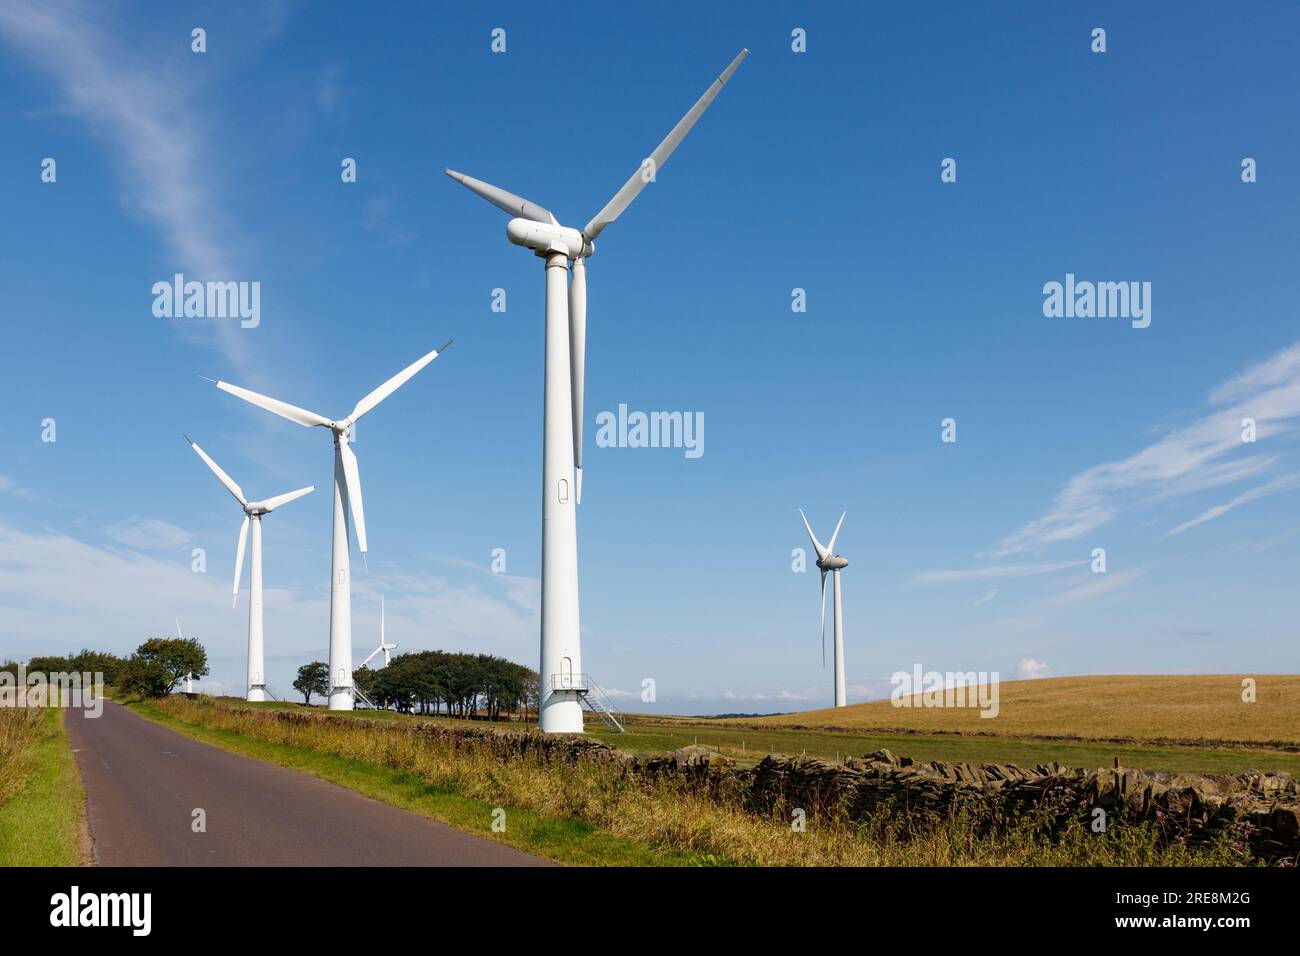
<point x="19" y="729"/>
<point x="670" y="813"/>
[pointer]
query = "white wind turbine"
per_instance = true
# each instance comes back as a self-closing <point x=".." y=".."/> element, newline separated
<point x="382" y="648"/>
<point x="189" y="678"/>
<point x="534" y="227"/>
<point x="253" y="511"/>
<point x="347" y="493"/>
<point x="828" y="562"/>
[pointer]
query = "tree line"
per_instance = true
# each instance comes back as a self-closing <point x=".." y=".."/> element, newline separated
<point x="432" y="682"/>
<point x="154" y="670"/>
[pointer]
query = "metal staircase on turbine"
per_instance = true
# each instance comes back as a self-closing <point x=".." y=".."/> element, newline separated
<point x="358" y="695"/>
<point x="593" y="698"/>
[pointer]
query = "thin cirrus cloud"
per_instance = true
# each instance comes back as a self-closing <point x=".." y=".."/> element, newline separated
<point x="1276" y="486"/>
<point x="1100" y="585"/>
<point x="1192" y="458"/>
<point x="149" y="534"/>
<point x="11" y="487"/>
<point x="995" y="571"/>
<point x="143" y="109"/>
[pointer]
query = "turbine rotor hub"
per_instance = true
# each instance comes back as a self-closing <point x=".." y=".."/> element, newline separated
<point x="545" y="237"/>
<point x="832" y="562"/>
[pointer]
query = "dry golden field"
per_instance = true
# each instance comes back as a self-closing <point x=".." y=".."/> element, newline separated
<point x="1201" y="709"/>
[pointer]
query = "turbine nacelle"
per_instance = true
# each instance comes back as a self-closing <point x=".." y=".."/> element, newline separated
<point x="545" y="238"/>
<point x="832" y="562"/>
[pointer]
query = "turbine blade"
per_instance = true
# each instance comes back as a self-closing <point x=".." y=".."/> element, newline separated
<point x="270" y="504"/>
<point x="224" y="478"/>
<point x="831" y="547"/>
<point x="178" y="629"/>
<point x="577" y="360"/>
<point x="823" y="619"/>
<point x="632" y="188"/>
<point x="353" y="479"/>
<point x="394" y="383"/>
<point x="283" y="409"/>
<point x="239" y="561"/>
<point x="507" y="201"/>
<point x="817" y="545"/>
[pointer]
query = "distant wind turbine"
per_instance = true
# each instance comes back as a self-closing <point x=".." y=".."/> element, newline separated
<point x="253" y="511"/>
<point x="189" y="678"/>
<point x="828" y="562"/>
<point x="382" y="648"/>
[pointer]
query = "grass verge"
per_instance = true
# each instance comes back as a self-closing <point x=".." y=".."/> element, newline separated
<point x="41" y="816"/>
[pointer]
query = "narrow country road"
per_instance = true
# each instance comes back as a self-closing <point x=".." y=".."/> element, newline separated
<point x="143" y="783"/>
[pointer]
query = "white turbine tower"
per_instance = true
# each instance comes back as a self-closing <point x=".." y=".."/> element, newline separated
<point x="828" y="562"/>
<point x="253" y="511"/>
<point x="535" y="228"/>
<point x="347" y="494"/>
<point x="189" y="678"/>
<point x="382" y="648"/>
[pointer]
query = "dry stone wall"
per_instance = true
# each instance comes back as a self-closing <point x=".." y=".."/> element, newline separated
<point x="1262" y="809"/>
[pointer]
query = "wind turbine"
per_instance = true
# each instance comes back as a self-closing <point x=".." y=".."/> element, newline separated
<point x="189" y="678"/>
<point x="253" y="511"/>
<point x="384" y="648"/>
<point x="535" y="228"/>
<point x="347" y="493"/>
<point x="828" y="562"/>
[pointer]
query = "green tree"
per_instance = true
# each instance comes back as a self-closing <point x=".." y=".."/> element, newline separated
<point x="49" y="665"/>
<point x="145" y="677"/>
<point x="97" y="662"/>
<point x="313" y="678"/>
<point x="177" y="656"/>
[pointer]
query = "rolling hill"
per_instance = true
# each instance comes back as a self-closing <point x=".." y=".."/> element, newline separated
<point x="1204" y="709"/>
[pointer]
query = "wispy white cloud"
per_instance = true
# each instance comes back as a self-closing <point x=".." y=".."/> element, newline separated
<point x="9" y="486"/>
<point x="1191" y="458"/>
<point x="143" y="107"/>
<point x="1097" y="586"/>
<point x="995" y="571"/>
<point x="329" y="89"/>
<point x="989" y="596"/>
<point x="1283" y="368"/>
<point x="1276" y="486"/>
<point x="149" y="534"/>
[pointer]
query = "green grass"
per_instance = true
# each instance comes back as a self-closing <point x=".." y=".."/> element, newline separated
<point x="561" y="840"/>
<point x="41" y="824"/>
<point x="752" y="744"/>
<point x="748" y="744"/>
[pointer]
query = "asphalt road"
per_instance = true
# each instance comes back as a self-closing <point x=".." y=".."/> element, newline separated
<point x="143" y="783"/>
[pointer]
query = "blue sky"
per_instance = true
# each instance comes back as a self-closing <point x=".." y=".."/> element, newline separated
<point x="818" y="171"/>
